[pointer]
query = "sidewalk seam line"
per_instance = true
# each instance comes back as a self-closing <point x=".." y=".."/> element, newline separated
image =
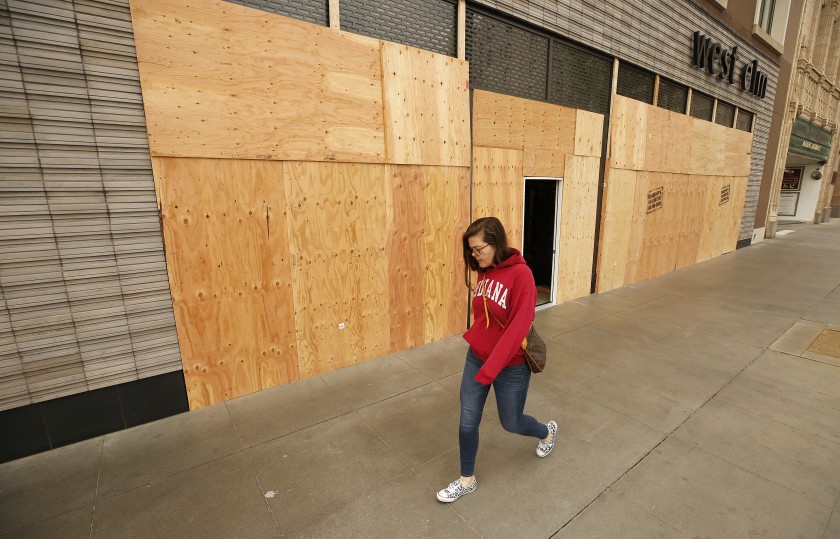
<point x="410" y="467"/>
<point x="609" y="487"/>
<point x="96" y="491"/>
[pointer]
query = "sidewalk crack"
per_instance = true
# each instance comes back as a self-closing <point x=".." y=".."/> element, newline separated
<point x="96" y="490"/>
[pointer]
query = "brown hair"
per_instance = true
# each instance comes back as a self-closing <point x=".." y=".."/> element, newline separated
<point x="494" y="234"/>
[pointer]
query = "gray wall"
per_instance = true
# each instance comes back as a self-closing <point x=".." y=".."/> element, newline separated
<point x="656" y="35"/>
<point x="84" y="295"/>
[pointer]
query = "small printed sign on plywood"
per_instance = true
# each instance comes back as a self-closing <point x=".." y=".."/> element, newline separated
<point x="654" y="200"/>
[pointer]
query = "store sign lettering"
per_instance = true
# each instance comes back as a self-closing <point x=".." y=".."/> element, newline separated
<point x="811" y="146"/>
<point x="711" y="56"/>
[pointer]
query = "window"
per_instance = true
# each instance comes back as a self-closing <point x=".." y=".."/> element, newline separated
<point x="506" y="58"/>
<point x="771" y="18"/>
<point x="702" y="106"/>
<point x="725" y="114"/>
<point x="672" y="96"/>
<point x="745" y="120"/>
<point x="580" y="79"/>
<point x="765" y="14"/>
<point x="635" y="82"/>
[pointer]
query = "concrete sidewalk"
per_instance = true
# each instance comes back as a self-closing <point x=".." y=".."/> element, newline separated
<point x="688" y="406"/>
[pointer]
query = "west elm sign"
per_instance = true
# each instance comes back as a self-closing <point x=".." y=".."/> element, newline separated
<point x="711" y="56"/>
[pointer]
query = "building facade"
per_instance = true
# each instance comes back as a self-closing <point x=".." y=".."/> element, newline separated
<point x="804" y="175"/>
<point x="167" y="217"/>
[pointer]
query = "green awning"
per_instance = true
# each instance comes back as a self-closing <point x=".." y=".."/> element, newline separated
<point x="810" y="140"/>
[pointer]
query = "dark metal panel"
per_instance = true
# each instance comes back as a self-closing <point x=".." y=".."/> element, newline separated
<point x="579" y="78"/>
<point x="427" y="24"/>
<point x="702" y="106"/>
<point x="725" y="114"/>
<point x="315" y="11"/>
<point x="635" y="83"/>
<point x="505" y="57"/>
<point x="672" y="96"/>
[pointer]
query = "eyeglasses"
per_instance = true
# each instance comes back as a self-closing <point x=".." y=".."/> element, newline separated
<point x="477" y="251"/>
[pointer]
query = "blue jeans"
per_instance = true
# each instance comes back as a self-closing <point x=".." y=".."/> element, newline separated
<point x="511" y="387"/>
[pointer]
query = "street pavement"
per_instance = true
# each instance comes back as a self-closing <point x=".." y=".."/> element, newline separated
<point x="703" y="403"/>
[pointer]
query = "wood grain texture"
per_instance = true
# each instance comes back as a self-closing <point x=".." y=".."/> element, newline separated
<point x="738" y="195"/>
<point x="426" y="104"/>
<point x="545" y="133"/>
<point x="719" y="151"/>
<point x="589" y="133"/>
<point x="223" y="80"/>
<point x="662" y="226"/>
<point x="446" y="219"/>
<point x="230" y="274"/>
<point x="498" y="121"/>
<point x="693" y="197"/>
<point x="337" y="220"/>
<point x="549" y="137"/>
<point x="628" y="128"/>
<point x="554" y="142"/>
<point x="616" y="224"/>
<point x="430" y="211"/>
<point x="405" y="255"/>
<point x="667" y="144"/>
<point x="577" y="227"/>
<point x="498" y="189"/>
<point x="690" y="160"/>
<point x="637" y="228"/>
<point x="715" y="220"/>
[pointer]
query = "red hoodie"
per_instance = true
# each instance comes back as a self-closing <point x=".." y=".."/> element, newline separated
<point x="511" y="297"/>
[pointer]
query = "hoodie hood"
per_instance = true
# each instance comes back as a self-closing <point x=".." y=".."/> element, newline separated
<point x="514" y="259"/>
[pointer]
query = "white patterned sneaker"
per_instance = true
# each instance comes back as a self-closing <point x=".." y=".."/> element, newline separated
<point x="544" y="448"/>
<point x="455" y="491"/>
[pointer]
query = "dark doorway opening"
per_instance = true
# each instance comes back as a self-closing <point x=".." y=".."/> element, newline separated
<point x="538" y="245"/>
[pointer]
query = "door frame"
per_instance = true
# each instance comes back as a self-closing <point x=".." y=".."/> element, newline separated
<point x="558" y="205"/>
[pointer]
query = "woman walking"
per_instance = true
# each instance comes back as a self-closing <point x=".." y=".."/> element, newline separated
<point x="503" y="310"/>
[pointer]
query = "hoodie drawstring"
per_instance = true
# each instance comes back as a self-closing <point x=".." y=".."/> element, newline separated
<point x="486" y="312"/>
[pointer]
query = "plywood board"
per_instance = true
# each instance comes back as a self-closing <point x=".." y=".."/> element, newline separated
<point x="738" y="194"/>
<point x="715" y="220"/>
<point x="667" y="141"/>
<point x="446" y="219"/>
<point x="544" y="132"/>
<point x="234" y="346"/>
<point x="427" y="293"/>
<point x="498" y="121"/>
<point x="694" y="197"/>
<point x="616" y="225"/>
<point x="637" y="228"/>
<point x="738" y="157"/>
<point x="691" y="160"/>
<point x="498" y="189"/>
<point x="719" y="151"/>
<point x="577" y="227"/>
<point x="405" y="255"/>
<point x="549" y="136"/>
<point x="628" y="126"/>
<point x="230" y="274"/>
<point x="662" y="227"/>
<point x="337" y="221"/>
<point x="427" y="109"/>
<point x="589" y="133"/>
<point x="223" y="80"/>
